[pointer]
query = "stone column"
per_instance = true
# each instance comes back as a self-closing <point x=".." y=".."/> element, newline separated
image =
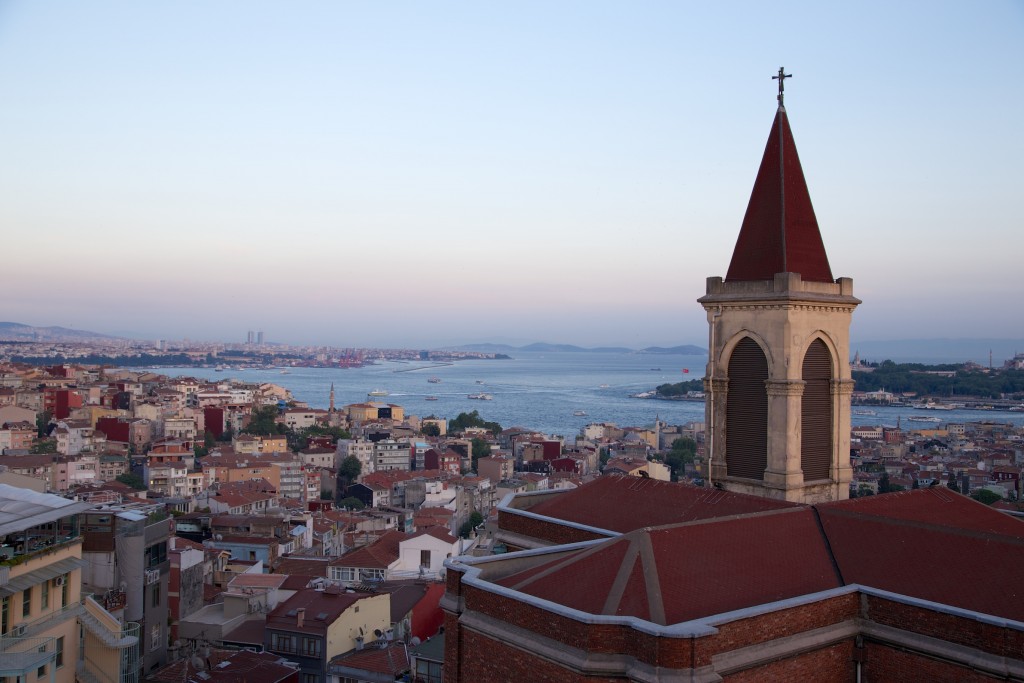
<point x="716" y="395"/>
<point x="842" y="472"/>
<point x="784" y="474"/>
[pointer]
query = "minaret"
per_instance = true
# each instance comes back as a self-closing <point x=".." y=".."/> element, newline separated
<point x="332" y="398"/>
<point x="778" y="378"/>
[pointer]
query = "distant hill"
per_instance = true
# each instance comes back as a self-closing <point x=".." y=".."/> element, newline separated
<point x="685" y="350"/>
<point x="542" y="347"/>
<point x="939" y="350"/>
<point x="20" y="332"/>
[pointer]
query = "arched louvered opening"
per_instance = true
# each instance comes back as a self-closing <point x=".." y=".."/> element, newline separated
<point x="746" y="412"/>
<point x="816" y="413"/>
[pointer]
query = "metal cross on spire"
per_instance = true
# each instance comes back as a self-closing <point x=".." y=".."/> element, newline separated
<point x="781" y="78"/>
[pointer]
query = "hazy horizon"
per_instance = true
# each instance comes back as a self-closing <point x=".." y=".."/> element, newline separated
<point x="383" y="175"/>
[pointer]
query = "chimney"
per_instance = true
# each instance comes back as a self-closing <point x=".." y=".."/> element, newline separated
<point x="300" y="616"/>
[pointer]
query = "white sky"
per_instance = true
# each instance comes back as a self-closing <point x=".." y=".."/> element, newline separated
<point x="426" y="173"/>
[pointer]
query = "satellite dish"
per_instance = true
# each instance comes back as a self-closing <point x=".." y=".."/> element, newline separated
<point x="415" y="641"/>
<point x="197" y="662"/>
<point x="377" y="632"/>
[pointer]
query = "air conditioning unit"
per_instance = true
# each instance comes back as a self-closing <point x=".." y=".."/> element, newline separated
<point x="19" y="630"/>
<point x="60" y="580"/>
<point x="152" y="576"/>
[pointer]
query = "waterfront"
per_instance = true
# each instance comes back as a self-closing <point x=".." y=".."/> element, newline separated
<point x="540" y="390"/>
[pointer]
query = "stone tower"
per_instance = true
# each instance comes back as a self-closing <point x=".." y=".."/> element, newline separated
<point x="778" y="379"/>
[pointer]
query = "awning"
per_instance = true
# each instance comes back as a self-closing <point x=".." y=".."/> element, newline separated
<point x="36" y="577"/>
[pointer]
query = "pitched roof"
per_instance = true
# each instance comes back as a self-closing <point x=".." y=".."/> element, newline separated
<point x="380" y="554"/>
<point x="646" y="502"/>
<point x="780" y="231"/>
<point x="930" y="544"/>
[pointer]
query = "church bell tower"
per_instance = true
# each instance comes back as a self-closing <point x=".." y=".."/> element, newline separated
<point x="778" y="380"/>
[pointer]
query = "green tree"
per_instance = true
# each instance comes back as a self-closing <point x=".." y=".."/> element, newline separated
<point x="475" y="520"/>
<point x="43" y="446"/>
<point x="352" y="503"/>
<point x="481" y="449"/>
<point x="883" y="483"/>
<point x="951" y="483"/>
<point x="133" y="480"/>
<point x="430" y="429"/>
<point x="43" y="418"/>
<point x="682" y="453"/>
<point x="465" y="420"/>
<point x="263" y="422"/>
<point x="915" y="485"/>
<point x="349" y="470"/>
<point x="985" y="496"/>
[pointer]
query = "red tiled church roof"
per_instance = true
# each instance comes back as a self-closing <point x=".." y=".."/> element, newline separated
<point x="780" y="231"/>
<point x="930" y="544"/>
<point x="647" y="502"/>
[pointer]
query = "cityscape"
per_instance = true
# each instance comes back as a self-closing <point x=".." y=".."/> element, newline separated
<point x="451" y="343"/>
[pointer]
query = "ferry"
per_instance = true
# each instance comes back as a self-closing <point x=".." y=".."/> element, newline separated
<point x="379" y="392"/>
<point x="864" y="412"/>
<point x="434" y="380"/>
<point x="430" y="398"/>
<point x="915" y="418"/>
<point x="482" y="397"/>
<point x="579" y="413"/>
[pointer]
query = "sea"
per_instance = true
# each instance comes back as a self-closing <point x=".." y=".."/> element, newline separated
<point x="541" y="391"/>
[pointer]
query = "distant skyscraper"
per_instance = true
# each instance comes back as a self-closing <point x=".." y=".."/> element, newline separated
<point x="249" y="338"/>
<point x="259" y="337"/>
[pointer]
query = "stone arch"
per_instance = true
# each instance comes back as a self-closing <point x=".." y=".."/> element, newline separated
<point x="746" y="410"/>
<point x="818" y="369"/>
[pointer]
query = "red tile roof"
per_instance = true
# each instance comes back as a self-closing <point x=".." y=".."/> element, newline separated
<point x="380" y="554"/>
<point x="646" y="502"/>
<point x="780" y="231"/>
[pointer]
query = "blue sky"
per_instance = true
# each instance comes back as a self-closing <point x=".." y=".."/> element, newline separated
<point x="410" y="174"/>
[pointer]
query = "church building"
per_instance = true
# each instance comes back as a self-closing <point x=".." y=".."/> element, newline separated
<point x="771" y="573"/>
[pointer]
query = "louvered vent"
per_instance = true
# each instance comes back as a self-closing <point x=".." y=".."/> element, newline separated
<point x="816" y="413"/>
<point x="746" y="412"/>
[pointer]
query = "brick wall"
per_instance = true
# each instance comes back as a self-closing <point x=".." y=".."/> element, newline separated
<point x="882" y="663"/>
<point x="829" y="665"/>
<point x="554" y="532"/>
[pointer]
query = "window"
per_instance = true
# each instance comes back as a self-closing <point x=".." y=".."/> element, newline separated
<point x="424" y="558"/>
<point x="59" y="662"/>
<point x="311" y="647"/>
<point x="156" y="554"/>
<point x="26" y="602"/>
<point x="44" y="595"/>
<point x="282" y="643"/>
<point x="41" y="671"/>
<point x="156" y="595"/>
<point x="310" y="678"/>
<point x="154" y="637"/>
<point x="4" y="616"/>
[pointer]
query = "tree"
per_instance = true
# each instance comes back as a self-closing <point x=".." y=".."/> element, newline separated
<point x="683" y="453"/>
<point x="43" y="446"/>
<point x="430" y="429"/>
<point x="951" y="483"/>
<point x="985" y="496"/>
<point x="481" y="449"/>
<point x="349" y="470"/>
<point x="352" y="503"/>
<point x="883" y="483"/>
<point x="475" y="520"/>
<point x="473" y="419"/>
<point x="43" y="418"/>
<point x="915" y="485"/>
<point x="132" y="480"/>
<point x="263" y="422"/>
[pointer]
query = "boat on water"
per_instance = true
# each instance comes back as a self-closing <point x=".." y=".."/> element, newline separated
<point x="602" y="386"/>
<point x="430" y="398"/>
<point x="434" y="380"/>
<point x="379" y="392"/>
<point x="479" y="381"/>
<point x="579" y="413"/>
<point x="481" y="397"/>
<point x="864" y="412"/>
<point x="286" y="372"/>
<point x="918" y="418"/>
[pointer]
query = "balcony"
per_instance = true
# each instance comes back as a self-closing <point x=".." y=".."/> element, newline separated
<point x="21" y="656"/>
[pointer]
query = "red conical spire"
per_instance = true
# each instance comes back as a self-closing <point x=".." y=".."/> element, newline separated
<point x="780" y="232"/>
